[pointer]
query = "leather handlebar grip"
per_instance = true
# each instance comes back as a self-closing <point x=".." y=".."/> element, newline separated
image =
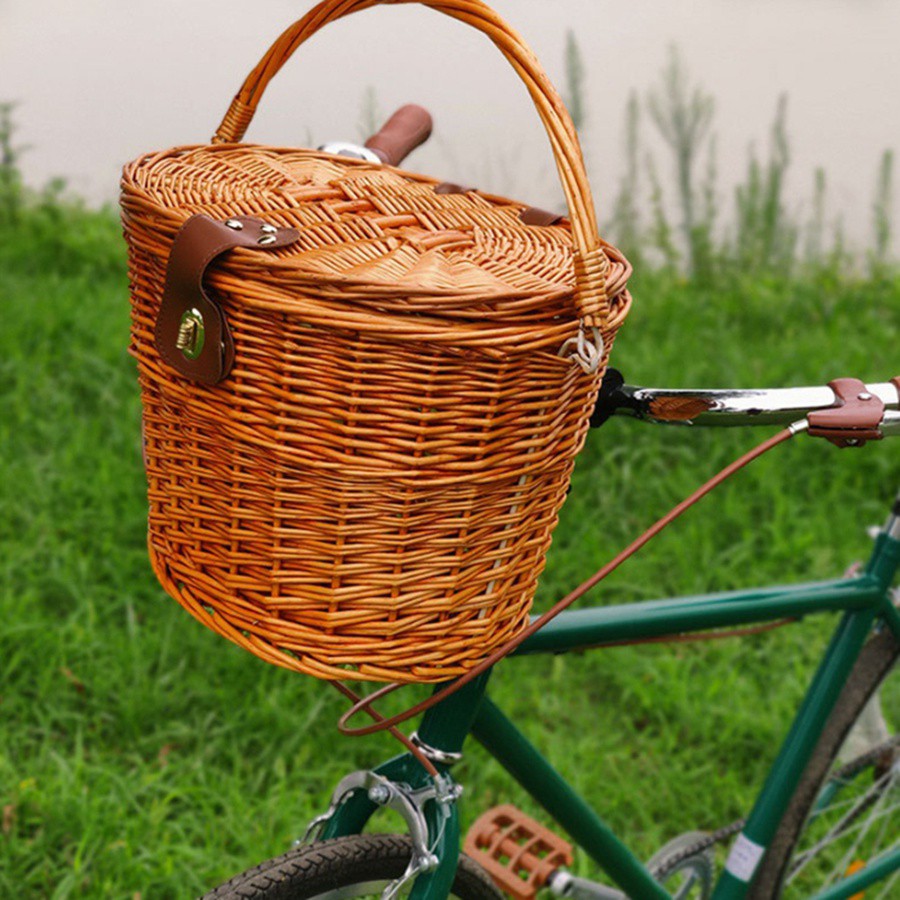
<point x="406" y="129"/>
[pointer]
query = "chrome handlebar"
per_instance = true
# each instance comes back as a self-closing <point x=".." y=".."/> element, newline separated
<point x="777" y="406"/>
<point x="890" y="426"/>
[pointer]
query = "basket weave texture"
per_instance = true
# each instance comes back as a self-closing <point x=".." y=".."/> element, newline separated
<point x="371" y="491"/>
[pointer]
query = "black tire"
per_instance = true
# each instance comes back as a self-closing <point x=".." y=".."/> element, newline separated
<point x="365" y="859"/>
<point x="877" y="663"/>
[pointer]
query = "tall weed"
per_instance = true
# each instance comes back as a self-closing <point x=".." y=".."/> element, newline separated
<point x="766" y="238"/>
<point x="627" y="222"/>
<point x="48" y="230"/>
<point x="882" y="214"/>
<point x="671" y="214"/>
<point x="683" y="115"/>
<point x="575" y="73"/>
<point x="10" y="178"/>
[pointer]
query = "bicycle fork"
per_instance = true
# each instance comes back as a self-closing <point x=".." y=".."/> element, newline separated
<point x="430" y="809"/>
<point x="427" y="805"/>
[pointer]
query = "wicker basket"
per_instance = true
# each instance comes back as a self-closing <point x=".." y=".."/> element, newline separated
<point x="369" y="488"/>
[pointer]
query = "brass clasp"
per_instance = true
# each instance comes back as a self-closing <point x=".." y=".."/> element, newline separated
<point x="191" y="334"/>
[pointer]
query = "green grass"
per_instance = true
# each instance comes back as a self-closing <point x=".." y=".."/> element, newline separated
<point x="142" y="756"/>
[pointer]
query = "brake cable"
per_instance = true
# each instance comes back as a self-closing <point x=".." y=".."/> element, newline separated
<point x="380" y="723"/>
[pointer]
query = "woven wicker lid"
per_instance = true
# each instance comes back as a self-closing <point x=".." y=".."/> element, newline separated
<point x="393" y="241"/>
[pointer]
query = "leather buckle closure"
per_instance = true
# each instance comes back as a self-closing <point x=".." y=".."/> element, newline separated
<point x="854" y="419"/>
<point x="191" y="333"/>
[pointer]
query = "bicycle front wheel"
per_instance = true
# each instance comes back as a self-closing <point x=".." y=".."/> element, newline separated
<point x="845" y="811"/>
<point x="347" y="867"/>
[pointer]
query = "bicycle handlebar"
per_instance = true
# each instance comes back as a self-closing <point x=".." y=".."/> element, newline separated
<point x="776" y="406"/>
<point x="409" y="127"/>
<point x="890" y="426"/>
<point x="405" y="130"/>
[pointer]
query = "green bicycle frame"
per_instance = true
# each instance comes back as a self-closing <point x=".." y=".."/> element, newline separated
<point x="863" y="599"/>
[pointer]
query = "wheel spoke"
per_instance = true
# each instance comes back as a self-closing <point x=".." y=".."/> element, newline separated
<point x="877" y="812"/>
<point x="852" y="854"/>
<point x="858" y="820"/>
<point x="847" y="824"/>
<point x="684" y="891"/>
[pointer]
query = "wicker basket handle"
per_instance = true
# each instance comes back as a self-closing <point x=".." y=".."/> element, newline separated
<point x="591" y="264"/>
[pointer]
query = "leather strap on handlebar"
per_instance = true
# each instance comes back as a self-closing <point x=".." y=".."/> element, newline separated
<point x="854" y="420"/>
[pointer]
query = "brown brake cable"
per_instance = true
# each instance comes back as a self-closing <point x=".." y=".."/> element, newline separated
<point x="364" y="704"/>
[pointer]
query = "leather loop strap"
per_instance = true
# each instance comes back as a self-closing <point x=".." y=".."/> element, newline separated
<point x="448" y="187"/>
<point x="188" y="314"/>
<point x="531" y="215"/>
<point x="540" y="217"/>
<point x="854" y="420"/>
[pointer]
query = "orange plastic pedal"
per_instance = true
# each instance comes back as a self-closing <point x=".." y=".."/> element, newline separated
<point x="518" y="853"/>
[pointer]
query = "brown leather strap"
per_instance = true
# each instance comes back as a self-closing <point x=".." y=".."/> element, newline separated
<point x="531" y="215"/>
<point x="855" y="418"/>
<point x="534" y="216"/>
<point x="198" y="243"/>
<point x="448" y="187"/>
